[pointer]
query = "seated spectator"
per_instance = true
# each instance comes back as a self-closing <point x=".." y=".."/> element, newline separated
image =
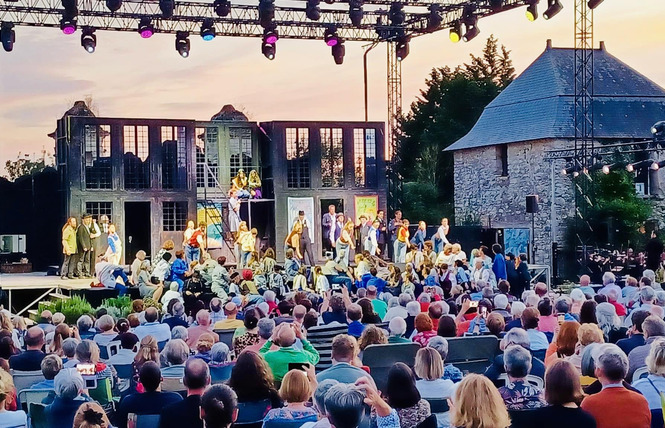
<point x="177" y="317"/>
<point x="106" y="334"/>
<point x="369" y="316"/>
<point x="501" y="306"/>
<point x="8" y="418"/>
<point x="319" y="404"/>
<point x="578" y="298"/>
<point x="586" y="335"/>
<point x="172" y="293"/>
<point x="563" y="393"/>
<point x="152" y="326"/>
<point x="516" y="336"/>
<point x="46" y="321"/>
<point x="610" y="323"/>
<point x="609" y="283"/>
<point x="400" y="309"/>
<point x="87" y="352"/>
<point x="231" y="312"/>
<point x="126" y="353"/>
<point x="450" y="372"/>
<point x="354" y="314"/>
<point x="148" y="351"/>
<point x="372" y="335"/>
<point x="203" y="327"/>
<point x="435" y="311"/>
<point x="152" y="401"/>
<point x="51" y="366"/>
<point x="654" y="328"/>
<point x="518" y="394"/>
<point x="219" y="407"/>
<point x="344" y="405"/>
<point x="219" y="355"/>
<point x="69" y="352"/>
<point x="447" y="327"/>
<point x="424" y="328"/>
<point x="547" y="320"/>
<point x="615" y="406"/>
<point x="403" y="396"/>
<point x="252" y="380"/>
<point x="635" y="333"/>
<point x="653" y="385"/>
<point x="31" y="358"/>
<point x="91" y="415"/>
<point x="62" y="332"/>
<point x="647" y="296"/>
<point x="530" y="320"/>
<point x="333" y="308"/>
<point x="516" y="311"/>
<point x="429" y="368"/>
<point x="68" y="385"/>
<point x="477" y="403"/>
<point x="266" y="326"/>
<point x="296" y="390"/>
<point x="344" y="352"/>
<point x="613" y="299"/>
<point x="564" y="342"/>
<point x="251" y="335"/>
<point x="285" y="336"/>
<point x="397" y="328"/>
<point x="186" y="413"/>
<point x="412" y="310"/>
<point x="175" y="354"/>
<point x="495" y="324"/>
<point x="204" y="347"/>
<point x="380" y="307"/>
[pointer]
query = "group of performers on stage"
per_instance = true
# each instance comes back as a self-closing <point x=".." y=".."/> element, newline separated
<point x="82" y="243"/>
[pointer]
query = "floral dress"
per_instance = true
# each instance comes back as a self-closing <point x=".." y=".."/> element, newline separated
<point x="247" y="339"/>
<point x="522" y="396"/>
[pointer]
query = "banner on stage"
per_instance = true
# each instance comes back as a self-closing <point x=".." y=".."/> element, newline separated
<point x="211" y="216"/>
<point x="368" y="205"/>
<point x="293" y="205"/>
<point x="516" y="241"/>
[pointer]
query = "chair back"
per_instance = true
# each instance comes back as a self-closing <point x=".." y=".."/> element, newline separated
<point x="25" y="379"/>
<point x="28" y="396"/>
<point x="438" y="405"/>
<point x="161" y="345"/>
<point x="657" y="418"/>
<point x="380" y="358"/>
<point x="321" y="338"/>
<point x="532" y="379"/>
<point x="226" y="336"/>
<point x="221" y="374"/>
<point x="173" y="384"/>
<point x="252" y="412"/>
<point x="125" y="371"/>
<point x="142" y="421"/>
<point x="429" y="422"/>
<point x="472" y="353"/>
<point x="112" y="348"/>
<point x="640" y="373"/>
<point x="102" y="393"/>
<point x="37" y="413"/>
<point x="103" y="353"/>
<point x="541" y="354"/>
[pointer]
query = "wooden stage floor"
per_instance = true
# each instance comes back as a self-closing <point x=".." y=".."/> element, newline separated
<point x="22" y="283"/>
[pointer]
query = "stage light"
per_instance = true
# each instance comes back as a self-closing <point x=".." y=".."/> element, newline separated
<point x="434" y="18"/>
<point x="166" y="6"/>
<point x="312" y="10"/>
<point x="222" y="7"/>
<point x="7" y="36"/>
<point x="338" y="52"/>
<point x="630" y="167"/>
<point x="69" y="14"/>
<point x="532" y="10"/>
<point x="330" y="36"/>
<point x="269" y="43"/>
<point x="396" y="14"/>
<point x="268" y="51"/>
<point x="113" y="5"/>
<point x="266" y="12"/>
<point x="658" y="129"/>
<point x="182" y="44"/>
<point x="606" y="169"/>
<point x="270" y="36"/>
<point x="470" y="23"/>
<point x="88" y="39"/>
<point x="68" y="26"/>
<point x="553" y="7"/>
<point x="402" y="48"/>
<point x="456" y="32"/>
<point x="208" y="30"/>
<point x="471" y="32"/>
<point x="356" y="12"/>
<point x="594" y="3"/>
<point x="146" y="30"/>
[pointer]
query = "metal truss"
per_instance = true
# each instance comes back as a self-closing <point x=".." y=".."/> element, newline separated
<point x="243" y="20"/>
<point x="394" y="80"/>
<point x="606" y="150"/>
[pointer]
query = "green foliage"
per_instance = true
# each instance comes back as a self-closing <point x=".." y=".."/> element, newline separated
<point x="72" y="308"/>
<point x="445" y="111"/>
<point x="420" y="203"/>
<point x="118" y="307"/>
<point x="22" y="166"/>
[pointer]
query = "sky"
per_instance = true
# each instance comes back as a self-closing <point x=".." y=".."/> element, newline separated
<point x="131" y="77"/>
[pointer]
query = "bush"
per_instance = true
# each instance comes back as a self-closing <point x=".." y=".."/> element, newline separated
<point x="117" y="307"/>
<point x="71" y="308"/>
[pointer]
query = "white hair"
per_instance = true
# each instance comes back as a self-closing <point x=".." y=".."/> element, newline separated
<point x="397" y="326"/>
<point x="577" y="295"/>
<point x="413" y="308"/>
<point x="516" y="309"/>
<point x="501" y="301"/>
<point x="609" y="278"/>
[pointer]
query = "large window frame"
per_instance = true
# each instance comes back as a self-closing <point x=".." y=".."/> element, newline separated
<point x="174" y="157"/>
<point x="136" y="153"/>
<point x="332" y="157"/>
<point x="240" y="150"/>
<point x="174" y="216"/>
<point x="297" y="158"/>
<point x="98" y="168"/>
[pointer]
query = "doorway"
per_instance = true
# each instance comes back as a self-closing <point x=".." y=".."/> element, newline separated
<point x="137" y="229"/>
<point x="326" y="246"/>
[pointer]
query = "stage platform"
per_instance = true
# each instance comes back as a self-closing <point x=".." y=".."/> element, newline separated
<point x="18" y="282"/>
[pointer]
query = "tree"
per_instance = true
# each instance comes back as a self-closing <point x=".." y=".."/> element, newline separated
<point x="23" y="166"/>
<point x="448" y="107"/>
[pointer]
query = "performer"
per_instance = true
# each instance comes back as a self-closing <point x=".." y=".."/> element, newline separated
<point x="114" y="251"/>
<point x="95" y="233"/>
<point x="186" y="236"/>
<point x="344" y="241"/>
<point x="84" y="245"/>
<point x="363" y="231"/>
<point x="196" y="242"/>
<point x="305" y="240"/>
<point x="255" y="185"/>
<point x="393" y="226"/>
<point x="293" y="239"/>
<point x="419" y="237"/>
<point x="372" y="243"/>
<point x="381" y="233"/>
<point x="69" y="249"/>
<point x="102" y="243"/>
<point x="328" y="225"/>
<point x="440" y="238"/>
<point x="402" y="242"/>
<point x="234" y="213"/>
<point x="239" y="183"/>
<point x="243" y="245"/>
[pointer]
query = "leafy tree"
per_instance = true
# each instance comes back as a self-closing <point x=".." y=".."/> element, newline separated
<point x="448" y="107"/>
<point x="23" y="166"/>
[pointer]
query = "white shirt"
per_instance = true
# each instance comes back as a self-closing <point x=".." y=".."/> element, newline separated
<point x="188" y="235"/>
<point x="17" y="419"/>
<point x="160" y="332"/>
<point x="441" y="232"/>
<point x="396" y="311"/>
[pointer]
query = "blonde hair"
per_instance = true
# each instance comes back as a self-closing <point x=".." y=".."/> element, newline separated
<point x="6" y="321"/>
<point x="91" y="415"/>
<point x="168" y="245"/>
<point x="478" y="404"/>
<point x="295" y="387"/>
<point x="6" y="386"/>
<point x="656" y="358"/>
<point x="590" y="333"/>
<point x="429" y="365"/>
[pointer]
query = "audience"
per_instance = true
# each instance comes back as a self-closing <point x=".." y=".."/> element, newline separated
<point x="252" y="380"/>
<point x="186" y="413"/>
<point x="403" y="396"/>
<point x="654" y="328"/>
<point x="219" y="407"/>
<point x="31" y="358"/>
<point x="518" y="394"/>
<point x="285" y="336"/>
<point x="9" y="418"/>
<point x="68" y="385"/>
<point x="477" y="403"/>
<point x="296" y="390"/>
<point x="91" y="415"/>
<point x="431" y="383"/>
<point x="344" y="354"/>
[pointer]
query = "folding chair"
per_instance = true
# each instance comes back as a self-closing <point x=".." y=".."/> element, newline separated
<point x="37" y="413"/>
<point x="226" y="336"/>
<point x="112" y="348"/>
<point x="221" y="374"/>
<point x="533" y="380"/>
<point x="28" y="396"/>
<point x="25" y="379"/>
<point x="142" y="421"/>
<point x="473" y="354"/>
<point x="173" y="384"/>
<point x="251" y="414"/>
<point x="380" y="358"/>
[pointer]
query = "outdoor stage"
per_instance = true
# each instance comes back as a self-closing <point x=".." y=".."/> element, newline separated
<point x="23" y="283"/>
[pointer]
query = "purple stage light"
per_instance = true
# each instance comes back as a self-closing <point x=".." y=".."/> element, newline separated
<point x="332" y="42"/>
<point x="69" y="29"/>
<point x="271" y="39"/>
<point x="146" y="33"/>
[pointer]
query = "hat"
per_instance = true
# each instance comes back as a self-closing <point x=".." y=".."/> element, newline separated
<point x="86" y="215"/>
<point x="301" y="212"/>
<point x="247" y="275"/>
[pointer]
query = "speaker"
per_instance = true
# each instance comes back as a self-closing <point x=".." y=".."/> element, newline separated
<point x="531" y="204"/>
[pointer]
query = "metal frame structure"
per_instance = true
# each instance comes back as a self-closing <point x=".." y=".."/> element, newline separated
<point x="394" y="80"/>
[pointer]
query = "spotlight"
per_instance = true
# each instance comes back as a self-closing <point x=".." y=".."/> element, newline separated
<point x="269" y="43"/>
<point x="658" y="129"/>
<point x="532" y="10"/>
<point x="113" y="5"/>
<point x="146" y="30"/>
<point x="402" y="48"/>
<point x="182" y="43"/>
<point x="312" y="10"/>
<point x="330" y="36"/>
<point x="356" y="12"/>
<point x="166" y="6"/>
<point x="471" y="32"/>
<point x="338" y="52"/>
<point x="630" y="167"/>
<point x="396" y="14"/>
<point x="606" y="169"/>
<point x="208" y="30"/>
<point x="270" y="36"/>
<point x="222" y="7"/>
<point x="7" y="36"/>
<point x="456" y="32"/>
<point x="434" y="18"/>
<point x="268" y="51"/>
<point x="470" y="22"/>
<point x="68" y="26"/>
<point x="69" y="14"/>
<point x="88" y="39"/>
<point x="266" y="12"/>
<point x="553" y="7"/>
<point x="594" y="3"/>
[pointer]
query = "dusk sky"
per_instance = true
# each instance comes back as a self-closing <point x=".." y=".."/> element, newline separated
<point x="131" y="77"/>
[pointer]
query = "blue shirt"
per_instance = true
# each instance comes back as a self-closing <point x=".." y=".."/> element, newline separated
<point x="538" y="340"/>
<point x="356" y="329"/>
<point x="178" y="269"/>
<point x="451" y="372"/>
<point x="379" y="283"/>
<point x="499" y="267"/>
<point x="342" y="372"/>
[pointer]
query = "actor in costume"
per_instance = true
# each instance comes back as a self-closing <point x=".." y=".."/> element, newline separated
<point x="84" y="245"/>
<point x="239" y="183"/>
<point x="328" y="226"/>
<point x="114" y="251"/>
<point x="255" y="185"/>
<point x="305" y="240"/>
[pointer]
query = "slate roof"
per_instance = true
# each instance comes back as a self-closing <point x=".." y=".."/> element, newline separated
<point x="539" y="104"/>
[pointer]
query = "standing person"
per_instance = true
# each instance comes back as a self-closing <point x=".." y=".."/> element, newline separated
<point x="197" y="242"/>
<point x="102" y="243"/>
<point x="499" y="263"/>
<point x="328" y="229"/>
<point x="381" y="233"/>
<point x="244" y="236"/>
<point x="440" y="237"/>
<point x="654" y="250"/>
<point x="234" y="213"/>
<point x="344" y="241"/>
<point x="363" y="231"/>
<point x="402" y="242"/>
<point x="69" y="249"/>
<point x="84" y="245"/>
<point x="95" y="233"/>
<point x="186" y="236"/>
<point x="305" y="240"/>
<point x="114" y="251"/>
<point x="372" y="242"/>
<point x="393" y="227"/>
<point x="523" y="274"/>
<point x="419" y="237"/>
